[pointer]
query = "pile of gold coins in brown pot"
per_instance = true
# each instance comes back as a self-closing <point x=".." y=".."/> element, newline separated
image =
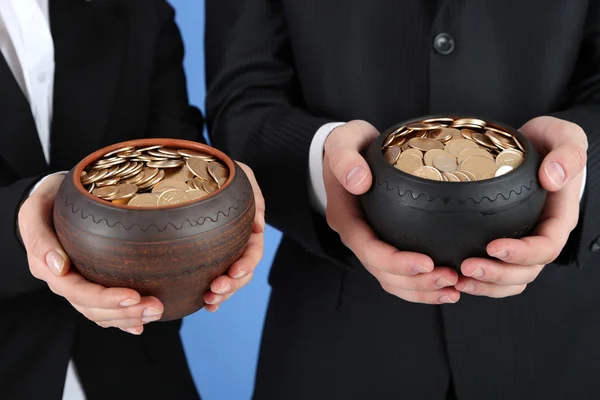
<point x="453" y="150"/>
<point x="154" y="176"/>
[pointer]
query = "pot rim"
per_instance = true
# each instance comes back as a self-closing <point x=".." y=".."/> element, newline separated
<point x="493" y="181"/>
<point x="166" y="142"/>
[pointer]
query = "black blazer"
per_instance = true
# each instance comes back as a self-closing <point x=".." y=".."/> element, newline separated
<point x="279" y="69"/>
<point x="119" y="76"/>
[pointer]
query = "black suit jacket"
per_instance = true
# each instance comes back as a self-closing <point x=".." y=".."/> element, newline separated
<point x="277" y="70"/>
<point x="119" y="76"/>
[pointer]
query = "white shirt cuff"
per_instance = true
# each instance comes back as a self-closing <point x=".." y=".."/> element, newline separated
<point x="316" y="185"/>
<point x="583" y="183"/>
<point x="44" y="178"/>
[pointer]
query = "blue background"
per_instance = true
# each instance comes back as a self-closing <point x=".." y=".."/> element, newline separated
<point x="222" y="347"/>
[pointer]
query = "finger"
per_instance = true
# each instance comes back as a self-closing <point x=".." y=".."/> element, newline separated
<point x="342" y="148"/>
<point x="214" y="299"/>
<point x="347" y="220"/>
<point x="559" y="218"/>
<point x="478" y="288"/>
<point x="122" y="324"/>
<point x="566" y="146"/>
<point x="248" y="262"/>
<point x="225" y="285"/>
<point x="259" y="200"/>
<point x="439" y="278"/>
<point x="145" y="311"/>
<point x="35" y="226"/>
<point x="211" y="308"/>
<point x="442" y="296"/>
<point x="500" y="273"/>
<point x="77" y="290"/>
<point x="134" y="330"/>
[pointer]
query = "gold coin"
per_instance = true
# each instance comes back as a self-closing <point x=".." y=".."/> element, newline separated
<point x="431" y="154"/>
<point x="425" y="144"/>
<point x="135" y="179"/>
<point x="221" y="180"/>
<point x="91" y="188"/>
<point x="107" y="164"/>
<point x="149" y="173"/>
<point x="199" y="167"/>
<point x="472" y="122"/>
<point x="125" y="191"/>
<point x="445" y="164"/>
<point x="469" y="175"/>
<point x="455" y="146"/>
<point x="171" y="153"/>
<point x="168" y="184"/>
<point x="462" y="176"/>
<point x="217" y="171"/>
<point x="143" y="149"/>
<point x="129" y="154"/>
<point x="391" y="154"/>
<point x="411" y="152"/>
<point x="409" y="163"/>
<point x="388" y="140"/>
<point x="481" y="167"/>
<point x="89" y="177"/>
<point x="499" y="131"/>
<point x="420" y="126"/>
<point x="505" y="169"/>
<point x="172" y="197"/>
<point x="119" y="150"/>
<point x="133" y="172"/>
<point x="108" y="182"/>
<point x="146" y="158"/>
<point x="196" y="194"/>
<point x="165" y="164"/>
<point x="518" y="144"/>
<point x="467" y="133"/>
<point x="99" y="174"/>
<point x="181" y="174"/>
<point x="450" y="177"/>
<point x="113" y="170"/>
<point x="150" y="184"/>
<point x="445" y="121"/>
<point x="144" y="200"/>
<point x="106" y="191"/>
<point x="511" y="157"/>
<point x="501" y="141"/>
<point x="428" y="173"/>
<point x="398" y="141"/>
<point x="483" y="140"/>
<point x="122" y="202"/>
<point x="466" y="153"/>
<point x="156" y="153"/>
<point x="443" y="134"/>
<point x="208" y="186"/>
<point x="194" y="153"/>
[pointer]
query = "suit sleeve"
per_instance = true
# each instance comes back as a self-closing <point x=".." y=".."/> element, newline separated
<point x="583" y="108"/>
<point x="255" y="112"/>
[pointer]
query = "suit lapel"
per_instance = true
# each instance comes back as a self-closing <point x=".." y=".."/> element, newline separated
<point x="19" y="141"/>
<point x="89" y="39"/>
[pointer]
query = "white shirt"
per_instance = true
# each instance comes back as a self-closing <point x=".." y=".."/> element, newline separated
<point x="27" y="46"/>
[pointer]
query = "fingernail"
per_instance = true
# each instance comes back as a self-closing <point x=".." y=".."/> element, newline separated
<point x="501" y="254"/>
<point x="442" y="282"/>
<point x="355" y="177"/>
<point x="133" y="331"/>
<point x="223" y="289"/>
<point x="215" y="300"/>
<point x="419" y="269"/>
<point x="470" y="288"/>
<point x="479" y="273"/>
<point x="128" y="303"/>
<point x="55" y="261"/>
<point x="152" y="318"/>
<point x="240" y="274"/>
<point x="151" y="312"/>
<point x="445" y="299"/>
<point x="556" y="173"/>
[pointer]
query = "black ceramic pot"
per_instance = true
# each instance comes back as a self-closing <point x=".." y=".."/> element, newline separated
<point x="452" y="221"/>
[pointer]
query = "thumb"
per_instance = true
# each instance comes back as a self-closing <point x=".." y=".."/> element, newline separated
<point x="37" y="232"/>
<point x="342" y="147"/>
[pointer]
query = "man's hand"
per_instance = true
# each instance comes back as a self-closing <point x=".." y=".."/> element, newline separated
<point x="563" y="146"/>
<point x="242" y="271"/>
<point x="410" y="276"/>
<point x="108" y="307"/>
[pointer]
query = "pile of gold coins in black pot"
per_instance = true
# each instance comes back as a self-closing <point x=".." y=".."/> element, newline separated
<point x="154" y="176"/>
<point x="453" y="150"/>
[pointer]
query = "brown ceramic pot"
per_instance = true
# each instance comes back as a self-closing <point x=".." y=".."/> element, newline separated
<point x="173" y="252"/>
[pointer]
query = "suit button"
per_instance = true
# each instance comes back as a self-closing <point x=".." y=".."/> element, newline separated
<point x="443" y="44"/>
<point x="595" y="246"/>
